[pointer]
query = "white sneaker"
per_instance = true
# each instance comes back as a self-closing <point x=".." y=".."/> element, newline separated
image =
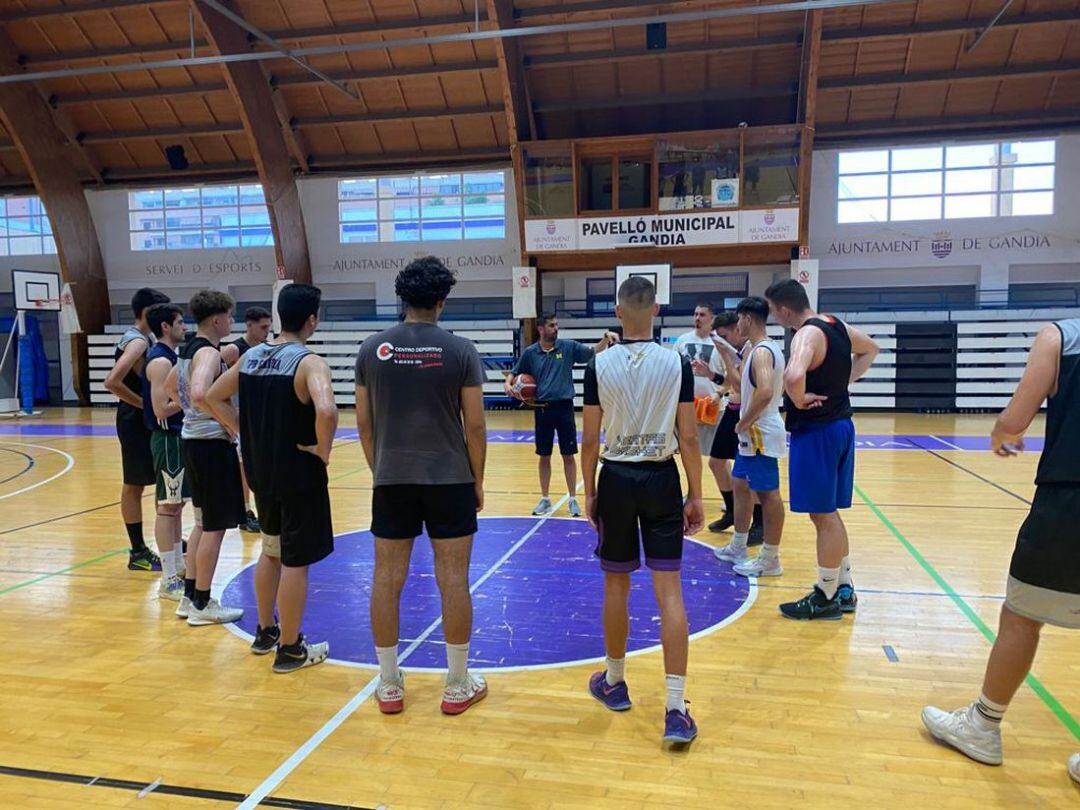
<point x="573" y="508"/>
<point x="183" y="610"/>
<point x="959" y="730"/>
<point x="730" y="553"/>
<point x="543" y="507"/>
<point x="390" y="695"/>
<point x="1074" y="767"/>
<point x="171" y="589"/>
<point x="761" y="566"/>
<point x="213" y="613"/>
<point x="457" y="697"/>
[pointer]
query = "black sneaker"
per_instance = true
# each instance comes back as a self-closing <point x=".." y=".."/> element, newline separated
<point x="756" y="535"/>
<point x="723" y="524"/>
<point x="845" y="595"/>
<point x="144" y="560"/>
<point x="299" y="655"/>
<point x="266" y="638"/>
<point x="251" y="523"/>
<point x="815" y="605"/>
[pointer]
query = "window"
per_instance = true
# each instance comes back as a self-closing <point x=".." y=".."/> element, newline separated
<point x="198" y="217"/>
<point x="24" y="228"/>
<point x="960" y="181"/>
<point x="422" y="208"/>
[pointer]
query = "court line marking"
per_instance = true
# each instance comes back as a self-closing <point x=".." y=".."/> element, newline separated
<point x="282" y="772"/>
<point x="29" y="464"/>
<point x="939" y="439"/>
<point x="974" y="474"/>
<point x="70" y="464"/>
<point x="44" y="577"/>
<point x="1036" y="685"/>
<point x="751" y="599"/>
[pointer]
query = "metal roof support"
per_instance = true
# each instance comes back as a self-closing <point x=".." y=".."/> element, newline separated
<point x="265" y="38"/>
<point x="982" y="34"/>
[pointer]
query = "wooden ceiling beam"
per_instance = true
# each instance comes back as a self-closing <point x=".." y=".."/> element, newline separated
<point x="541" y="61"/>
<point x="69" y="9"/>
<point x="284" y="35"/>
<point x="271" y="140"/>
<point x="835" y="133"/>
<point x="292" y="80"/>
<point x="939" y="76"/>
<point x="865" y="34"/>
<point x="520" y="121"/>
<point x="668" y="98"/>
<point x="410" y="115"/>
<point x="51" y="160"/>
<point x="808" y="93"/>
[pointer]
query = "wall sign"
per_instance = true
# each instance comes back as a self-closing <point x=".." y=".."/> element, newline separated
<point x="662" y="230"/>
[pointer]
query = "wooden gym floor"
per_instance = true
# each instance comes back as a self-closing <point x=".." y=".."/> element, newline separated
<point x="100" y="680"/>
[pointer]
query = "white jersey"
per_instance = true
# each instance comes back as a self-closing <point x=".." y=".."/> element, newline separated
<point x="638" y="386"/>
<point x="766" y="435"/>
<point x="694" y="348"/>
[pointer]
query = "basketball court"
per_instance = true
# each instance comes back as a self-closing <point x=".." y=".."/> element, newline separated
<point x="103" y="682"/>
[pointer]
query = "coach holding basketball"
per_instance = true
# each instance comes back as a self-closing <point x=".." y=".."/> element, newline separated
<point x="550" y="362"/>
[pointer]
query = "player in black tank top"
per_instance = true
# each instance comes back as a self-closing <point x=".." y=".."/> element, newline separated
<point x="125" y="381"/>
<point x="827" y="355"/>
<point x="1044" y="576"/>
<point x="286" y="419"/>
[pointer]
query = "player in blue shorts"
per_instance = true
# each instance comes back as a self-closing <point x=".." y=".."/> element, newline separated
<point x="827" y="355"/>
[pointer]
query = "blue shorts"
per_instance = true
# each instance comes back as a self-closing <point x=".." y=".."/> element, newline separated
<point x="762" y="473"/>
<point x="821" y="470"/>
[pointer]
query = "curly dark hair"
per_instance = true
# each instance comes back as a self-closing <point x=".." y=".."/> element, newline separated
<point x="208" y="303"/>
<point x="424" y="283"/>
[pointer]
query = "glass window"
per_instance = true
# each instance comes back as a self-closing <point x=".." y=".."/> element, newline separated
<point x="635" y="184"/>
<point x="691" y="173"/>
<point x="430" y="207"/>
<point x="958" y="181"/>
<point x="595" y="184"/>
<point x="194" y="218"/>
<point x="25" y="230"/>
<point x="770" y="169"/>
<point x="549" y="186"/>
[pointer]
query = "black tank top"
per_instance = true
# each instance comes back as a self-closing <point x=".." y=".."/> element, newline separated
<point x="241" y="344"/>
<point x="133" y="379"/>
<point x="830" y="379"/>
<point x="273" y="421"/>
<point x="1060" y="462"/>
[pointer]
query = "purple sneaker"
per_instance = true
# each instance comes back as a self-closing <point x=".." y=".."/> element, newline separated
<point x="616" y="698"/>
<point x="679" y="727"/>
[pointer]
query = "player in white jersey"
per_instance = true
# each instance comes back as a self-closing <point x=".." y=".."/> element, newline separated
<point x="644" y="396"/>
<point x="762" y="443"/>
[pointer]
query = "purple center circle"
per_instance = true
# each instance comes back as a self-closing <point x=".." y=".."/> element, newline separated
<point x="538" y="604"/>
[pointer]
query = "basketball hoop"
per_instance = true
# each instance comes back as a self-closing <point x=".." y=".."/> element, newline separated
<point x="50" y="304"/>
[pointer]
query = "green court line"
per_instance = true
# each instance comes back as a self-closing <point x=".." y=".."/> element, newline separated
<point x="1036" y="685"/>
<point x="44" y="577"/>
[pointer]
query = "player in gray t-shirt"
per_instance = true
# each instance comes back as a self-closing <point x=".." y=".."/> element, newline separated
<point x="420" y="413"/>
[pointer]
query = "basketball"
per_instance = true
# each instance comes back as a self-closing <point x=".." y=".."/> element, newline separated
<point x="523" y="386"/>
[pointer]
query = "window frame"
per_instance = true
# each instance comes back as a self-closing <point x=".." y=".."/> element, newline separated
<point x="1003" y="172"/>
<point x="418" y="197"/>
<point x="39" y="228"/>
<point x="219" y="236"/>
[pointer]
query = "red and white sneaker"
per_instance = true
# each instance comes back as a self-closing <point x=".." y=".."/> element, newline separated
<point x="391" y="695"/>
<point x="459" y="696"/>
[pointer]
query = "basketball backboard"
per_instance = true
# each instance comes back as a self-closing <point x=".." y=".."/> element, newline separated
<point x="36" y="290"/>
<point x="658" y="274"/>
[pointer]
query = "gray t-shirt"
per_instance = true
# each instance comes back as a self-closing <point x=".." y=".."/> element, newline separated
<point x="553" y="370"/>
<point x="414" y="373"/>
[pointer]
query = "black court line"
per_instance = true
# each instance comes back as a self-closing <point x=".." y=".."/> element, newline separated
<point x="29" y="464"/>
<point x="169" y="790"/>
<point x="974" y="474"/>
<point x="61" y="517"/>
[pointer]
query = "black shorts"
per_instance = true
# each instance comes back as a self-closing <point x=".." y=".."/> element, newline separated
<point x="302" y="520"/>
<point x="135" y="455"/>
<point x="1047" y="554"/>
<point x="556" y="417"/>
<point x="640" y="505"/>
<point x="401" y="511"/>
<point x="213" y="472"/>
<point x="726" y="441"/>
